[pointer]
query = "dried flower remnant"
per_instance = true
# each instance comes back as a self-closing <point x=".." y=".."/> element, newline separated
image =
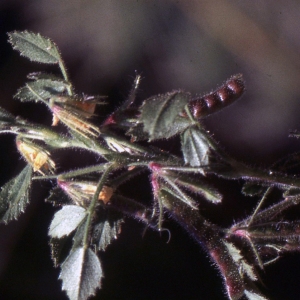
<point x="82" y="192"/>
<point x="36" y="156"/>
<point x="74" y="121"/>
<point x="85" y="105"/>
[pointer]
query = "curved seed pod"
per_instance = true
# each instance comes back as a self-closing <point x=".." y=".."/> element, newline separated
<point x="229" y="92"/>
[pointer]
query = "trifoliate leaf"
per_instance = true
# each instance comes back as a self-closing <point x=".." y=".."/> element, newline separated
<point x="195" y="147"/>
<point x="41" y="90"/>
<point x="81" y="274"/>
<point x="66" y="220"/>
<point x="254" y="296"/>
<point x="14" y="196"/>
<point x="35" y="47"/>
<point x="159" y="112"/>
<point x="105" y="232"/>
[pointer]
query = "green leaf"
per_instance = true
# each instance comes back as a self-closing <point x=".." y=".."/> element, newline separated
<point x="158" y="113"/>
<point x="6" y="117"/>
<point x="43" y="75"/>
<point x="179" y="125"/>
<point x="41" y="90"/>
<point x="106" y="231"/>
<point x="137" y="133"/>
<point x="66" y="220"/>
<point x="195" y="147"/>
<point x="81" y="274"/>
<point x="14" y="196"/>
<point x="35" y="47"/>
<point x="79" y="234"/>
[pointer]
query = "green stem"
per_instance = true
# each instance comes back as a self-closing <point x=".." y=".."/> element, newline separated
<point x="239" y="170"/>
<point x="86" y="170"/>
<point x="231" y="169"/>
<point x="91" y="208"/>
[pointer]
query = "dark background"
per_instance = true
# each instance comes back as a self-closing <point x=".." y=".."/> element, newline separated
<point x="193" y="45"/>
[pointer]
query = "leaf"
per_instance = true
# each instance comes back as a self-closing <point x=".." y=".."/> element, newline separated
<point x="66" y="220"/>
<point x="178" y="126"/>
<point x="137" y="133"/>
<point x="5" y="116"/>
<point x="79" y="235"/>
<point x="159" y="112"/>
<point x="105" y="232"/>
<point x="14" y="196"/>
<point x="195" y="147"/>
<point x="43" y="75"/>
<point x="81" y="274"/>
<point x="40" y="90"/>
<point x="35" y="47"/>
<point x="253" y="296"/>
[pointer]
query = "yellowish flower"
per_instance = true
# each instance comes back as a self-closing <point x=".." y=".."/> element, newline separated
<point x="36" y="156"/>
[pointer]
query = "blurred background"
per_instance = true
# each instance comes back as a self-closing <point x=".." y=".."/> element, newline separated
<point x="192" y="45"/>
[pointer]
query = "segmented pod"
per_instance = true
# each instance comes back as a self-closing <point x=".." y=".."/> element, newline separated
<point x="212" y="102"/>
